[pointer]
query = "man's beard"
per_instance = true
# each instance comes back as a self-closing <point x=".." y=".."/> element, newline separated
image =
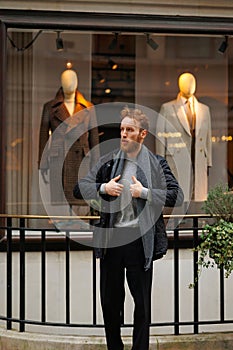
<point x="132" y="146"/>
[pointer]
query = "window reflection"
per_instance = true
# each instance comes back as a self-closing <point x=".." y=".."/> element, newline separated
<point x="144" y="75"/>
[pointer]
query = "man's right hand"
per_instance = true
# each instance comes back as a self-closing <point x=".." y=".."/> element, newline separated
<point x="113" y="188"/>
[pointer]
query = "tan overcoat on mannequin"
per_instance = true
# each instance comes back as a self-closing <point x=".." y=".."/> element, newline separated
<point x="174" y="143"/>
<point x="55" y="114"/>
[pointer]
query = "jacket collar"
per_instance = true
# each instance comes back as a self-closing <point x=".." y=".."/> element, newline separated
<point x="79" y="99"/>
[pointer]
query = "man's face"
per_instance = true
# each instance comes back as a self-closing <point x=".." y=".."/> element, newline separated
<point x="131" y="136"/>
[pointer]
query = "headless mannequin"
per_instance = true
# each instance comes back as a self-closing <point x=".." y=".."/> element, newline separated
<point x="69" y="83"/>
<point x="190" y="119"/>
<point x="70" y="108"/>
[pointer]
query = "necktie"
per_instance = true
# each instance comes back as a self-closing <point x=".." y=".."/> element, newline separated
<point x="189" y="114"/>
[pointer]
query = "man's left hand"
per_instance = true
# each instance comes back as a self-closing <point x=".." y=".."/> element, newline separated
<point x="136" y="188"/>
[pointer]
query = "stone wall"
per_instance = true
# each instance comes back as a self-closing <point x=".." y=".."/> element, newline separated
<point x="212" y="8"/>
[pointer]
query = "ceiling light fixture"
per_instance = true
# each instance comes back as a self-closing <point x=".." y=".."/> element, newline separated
<point x="114" y="42"/>
<point x="59" y="42"/>
<point x="113" y="64"/>
<point x="101" y="79"/>
<point x="224" y="45"/>
<point x="69" y="65"/>
<point x="151" y="42"/>
<point x="107" y="90"/>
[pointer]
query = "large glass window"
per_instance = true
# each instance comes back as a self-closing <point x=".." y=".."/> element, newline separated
<point x="148" y="74"/>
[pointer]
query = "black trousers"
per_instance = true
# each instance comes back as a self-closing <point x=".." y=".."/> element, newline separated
<point x="130" y="259"/>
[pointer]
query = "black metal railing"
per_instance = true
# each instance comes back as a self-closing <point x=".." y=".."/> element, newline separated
<point x="45" y="239"/>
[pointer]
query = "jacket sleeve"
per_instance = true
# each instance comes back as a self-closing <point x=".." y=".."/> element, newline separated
<point x="166" y="191"/>
<point x="88" y="187"/>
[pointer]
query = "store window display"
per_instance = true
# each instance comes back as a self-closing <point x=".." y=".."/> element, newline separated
<point x="184" y="138"/>
<point x="71" y="112"/>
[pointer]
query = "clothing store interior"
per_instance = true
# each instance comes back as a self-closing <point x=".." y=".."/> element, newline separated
<point x="156" y="72"/>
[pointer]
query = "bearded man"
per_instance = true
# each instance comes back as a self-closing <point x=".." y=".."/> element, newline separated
<point x="134" y="186"/>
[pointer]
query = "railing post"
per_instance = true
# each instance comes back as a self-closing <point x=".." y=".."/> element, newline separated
<point x="43" y="276"/>
<point x="94" y="286"/>
<point x="195" y="273"/>
<point x="176" y="280"/>
<point x="22" y="275"/>
<point x="222" y="298"/>
<point x="67" y="277"/>
<point x="9" y="272"/>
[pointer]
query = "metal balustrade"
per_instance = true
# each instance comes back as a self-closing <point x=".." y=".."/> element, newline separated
<point x="47" y="239"/>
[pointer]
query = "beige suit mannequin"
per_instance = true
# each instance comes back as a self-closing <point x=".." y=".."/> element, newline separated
<point x="187" y="148"/>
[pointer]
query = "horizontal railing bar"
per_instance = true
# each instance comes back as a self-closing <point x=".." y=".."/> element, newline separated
<point x="125" y="325"/>
<point x="17" y="228"/>
<point x="63" y="217"/>
<point x="95" y="217"/>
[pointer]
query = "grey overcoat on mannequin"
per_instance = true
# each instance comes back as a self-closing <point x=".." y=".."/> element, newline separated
<point x="174" y="142"/>
<point x="54" y="114"/>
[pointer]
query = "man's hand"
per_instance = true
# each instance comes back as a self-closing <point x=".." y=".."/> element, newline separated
<point x="136" y="188"/>
<point x="113" y="188"/>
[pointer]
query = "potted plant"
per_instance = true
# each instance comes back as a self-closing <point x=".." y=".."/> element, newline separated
<point x="216" y="240"/>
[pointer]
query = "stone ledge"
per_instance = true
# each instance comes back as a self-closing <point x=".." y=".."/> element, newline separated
<point x="10" y="340"/>
<point x="159" y="7"/>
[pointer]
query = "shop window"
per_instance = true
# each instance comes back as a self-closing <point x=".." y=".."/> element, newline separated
<point x="147" y="74"/>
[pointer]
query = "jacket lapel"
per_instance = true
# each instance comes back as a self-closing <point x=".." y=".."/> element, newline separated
<point x="180" y="112"/>
<point x="59" y="109"/>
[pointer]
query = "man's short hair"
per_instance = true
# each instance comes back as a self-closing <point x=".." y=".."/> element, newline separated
<point x="137" y="115"/>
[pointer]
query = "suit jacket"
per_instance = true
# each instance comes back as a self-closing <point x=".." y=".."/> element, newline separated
<point x="164" y="191"/>
<point x="66" y="151"/>
<point x="174" y="141"/>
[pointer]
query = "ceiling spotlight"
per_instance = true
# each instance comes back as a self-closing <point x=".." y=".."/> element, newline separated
<point x="151" y="42"/>
<point x="101" y="79"/>
<point x="113" y="64"/>
<point x="59" y="42"/>
<point x="107" y="89"/>
<point x="223" y="46"/>
<point x="69" y="65"/>
<point x="114" y="42"/>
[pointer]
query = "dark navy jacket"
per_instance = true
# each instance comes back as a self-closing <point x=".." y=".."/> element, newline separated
<point x="165" y="192"/>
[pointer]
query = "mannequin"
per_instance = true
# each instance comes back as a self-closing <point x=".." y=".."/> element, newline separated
<point x="184" y="139"/>
<point x="72" y="113"/>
